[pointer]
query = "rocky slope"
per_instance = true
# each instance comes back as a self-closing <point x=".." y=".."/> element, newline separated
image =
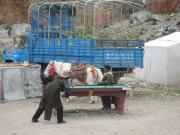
<point x="13" y="11"/>
<point x="142" y="25"/>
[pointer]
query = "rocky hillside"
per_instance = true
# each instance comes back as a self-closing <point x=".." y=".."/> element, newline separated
<point x="142" y="25"/>
<point x="13" y="11"/>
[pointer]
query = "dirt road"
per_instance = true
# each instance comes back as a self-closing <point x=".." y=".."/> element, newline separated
<point x="144" y="115"/>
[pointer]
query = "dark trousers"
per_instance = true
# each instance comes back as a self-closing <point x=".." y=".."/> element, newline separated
<point x="107" y="101"/>
<point x="39" y="111"/>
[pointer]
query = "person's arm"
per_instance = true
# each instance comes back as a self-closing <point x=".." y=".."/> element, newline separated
<point x="106" y="80"/>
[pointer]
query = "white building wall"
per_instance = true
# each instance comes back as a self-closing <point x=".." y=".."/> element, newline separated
<point x="161" y="61"/>
<point x="173" y="62"/>
<point x="155" y="65"/>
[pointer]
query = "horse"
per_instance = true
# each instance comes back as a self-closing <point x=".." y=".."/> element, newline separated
<point x="86" y="74"/>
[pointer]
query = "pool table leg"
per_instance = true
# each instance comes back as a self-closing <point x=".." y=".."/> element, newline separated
<point x="119" y="102"/>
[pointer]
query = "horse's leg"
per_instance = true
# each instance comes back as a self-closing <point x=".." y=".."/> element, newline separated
<point x="93" y="99"/>
<point x="68" y="99"/>
<point x="92" y="74"/>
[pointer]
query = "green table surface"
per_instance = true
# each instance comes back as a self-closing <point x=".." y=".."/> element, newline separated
<point x="124" y="86"/>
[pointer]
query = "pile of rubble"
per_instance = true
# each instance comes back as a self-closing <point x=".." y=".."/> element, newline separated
<point x="12" y="36"/>
<point x="142" y="85"/>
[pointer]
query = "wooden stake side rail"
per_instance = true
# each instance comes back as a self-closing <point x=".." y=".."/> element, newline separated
<point x="118" y="91"/>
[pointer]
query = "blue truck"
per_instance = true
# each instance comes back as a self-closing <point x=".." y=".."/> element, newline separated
<point x="53" y="37"/>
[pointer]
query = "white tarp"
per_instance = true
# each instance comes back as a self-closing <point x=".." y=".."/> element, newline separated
<point x="20" y="82"/>
<point x="12" y="84"/>
<point x="162" y="61"/>
<point x="32" y="81"/>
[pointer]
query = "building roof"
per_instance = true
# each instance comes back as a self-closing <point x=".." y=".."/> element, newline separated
<point x="166" y="41"/>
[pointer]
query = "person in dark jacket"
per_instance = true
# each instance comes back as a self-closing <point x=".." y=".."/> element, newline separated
<point x="108" y="79"/>
<point x="51" y="99"/>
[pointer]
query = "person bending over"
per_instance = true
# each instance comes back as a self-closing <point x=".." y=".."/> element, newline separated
<point x="51" y="99"/>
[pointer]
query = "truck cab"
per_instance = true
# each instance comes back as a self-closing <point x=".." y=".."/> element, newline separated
<point x="18" y="52"/>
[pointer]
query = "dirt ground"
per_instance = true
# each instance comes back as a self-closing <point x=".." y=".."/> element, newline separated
<point x="145" y="114"/>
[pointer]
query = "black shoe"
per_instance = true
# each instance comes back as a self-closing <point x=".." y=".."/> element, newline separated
<point x="35" y="120"/>
<point x="61" y="122"/>
<point x="105" y="109"/>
